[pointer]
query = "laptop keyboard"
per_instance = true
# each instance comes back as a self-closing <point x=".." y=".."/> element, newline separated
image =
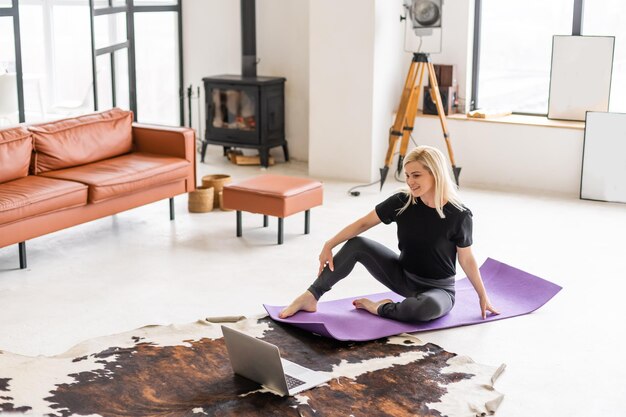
<point x="292" y="382"/>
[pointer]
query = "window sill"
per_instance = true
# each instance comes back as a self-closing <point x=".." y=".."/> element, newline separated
<point x="517" y="119"/>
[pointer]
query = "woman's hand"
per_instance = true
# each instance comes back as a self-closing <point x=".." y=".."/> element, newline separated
<point x="326" y="258"/>
<point x="485" y="306"/>
<point x="468" y="263"/>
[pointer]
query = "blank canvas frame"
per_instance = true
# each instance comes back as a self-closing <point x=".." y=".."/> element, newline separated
<point x="580" y="77"/>
<point x="604" y="158"/>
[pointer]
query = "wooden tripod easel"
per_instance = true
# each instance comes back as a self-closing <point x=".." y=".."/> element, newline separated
<point x="403" y="124"/>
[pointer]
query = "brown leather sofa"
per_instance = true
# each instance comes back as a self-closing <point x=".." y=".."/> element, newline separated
<point x="67" y="172"/>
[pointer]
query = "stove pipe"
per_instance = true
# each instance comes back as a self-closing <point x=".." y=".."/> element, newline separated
<point x="248" y="38"/>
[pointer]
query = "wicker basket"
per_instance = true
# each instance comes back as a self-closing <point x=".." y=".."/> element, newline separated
<point x="216" y="181"/>
<point x="201" y="200"/>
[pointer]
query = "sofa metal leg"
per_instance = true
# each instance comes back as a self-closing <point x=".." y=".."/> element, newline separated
<point x="22" y="249"/>
<point x="265" y="220"/>
<point x="280" y="230"/>
<point x="307" y="222"/>
<point x="172" y="213"/>
<point x="238" y="223"/>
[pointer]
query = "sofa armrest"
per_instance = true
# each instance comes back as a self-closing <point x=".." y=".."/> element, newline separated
<point x="165" y="140"/>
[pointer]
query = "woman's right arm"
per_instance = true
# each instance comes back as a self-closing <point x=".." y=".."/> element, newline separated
<point x="354" y="229"/>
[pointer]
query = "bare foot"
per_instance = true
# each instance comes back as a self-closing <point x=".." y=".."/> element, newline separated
<point x="305" y="302"/>
<point x="369" y="305"/>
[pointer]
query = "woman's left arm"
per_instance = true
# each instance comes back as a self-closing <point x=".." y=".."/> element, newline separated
<point x="468" y="263"/>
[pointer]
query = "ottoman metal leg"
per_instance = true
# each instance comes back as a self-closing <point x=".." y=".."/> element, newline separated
<point x="172" y="212"/>
<point x="307" y="222"/>
<point x="238" y="223"/>
<point x="265" y="221"/>
<point x="280" y="230"/>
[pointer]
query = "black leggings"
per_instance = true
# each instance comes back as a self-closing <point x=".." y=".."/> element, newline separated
<point x="426" y="299"/>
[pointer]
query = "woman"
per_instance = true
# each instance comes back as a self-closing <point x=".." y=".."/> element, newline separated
<point x="433" y="228"/>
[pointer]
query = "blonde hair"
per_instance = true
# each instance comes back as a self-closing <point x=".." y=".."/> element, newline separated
<point x="436" y="164"/>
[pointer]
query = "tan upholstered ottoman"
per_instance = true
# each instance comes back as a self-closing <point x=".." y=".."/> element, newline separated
<point x="274" y="195"/>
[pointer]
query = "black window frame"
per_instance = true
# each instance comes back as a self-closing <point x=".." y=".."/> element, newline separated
<point x="577" y="23"/>
<point x="130" y="10"/>
<point x="13" y="12"/>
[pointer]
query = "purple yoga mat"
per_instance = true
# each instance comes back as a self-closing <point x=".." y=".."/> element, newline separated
<point x="511" y="291"/>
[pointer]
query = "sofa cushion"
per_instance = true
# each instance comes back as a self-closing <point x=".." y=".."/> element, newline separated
<point x="32" y="195"/>
<point x="125" y="174"/>
<point x="81" y="140"/>
<point x="16" y="147"/>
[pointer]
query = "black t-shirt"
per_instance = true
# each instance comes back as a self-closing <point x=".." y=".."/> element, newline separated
<point x="427" y="242"/>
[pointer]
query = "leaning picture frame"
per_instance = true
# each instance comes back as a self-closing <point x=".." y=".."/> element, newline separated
<point x="580" y="76"/>
<point x="604" y="157"/>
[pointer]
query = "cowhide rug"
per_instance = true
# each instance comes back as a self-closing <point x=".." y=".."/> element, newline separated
<point x="183" y="370"/>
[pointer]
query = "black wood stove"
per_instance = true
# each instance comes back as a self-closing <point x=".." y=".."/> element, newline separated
<point x="245" y="111"/>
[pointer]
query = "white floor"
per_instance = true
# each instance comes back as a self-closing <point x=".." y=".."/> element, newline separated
<point x="138" y="268"/>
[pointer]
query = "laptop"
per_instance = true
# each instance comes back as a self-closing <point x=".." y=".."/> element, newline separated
<point x="260" y="361"/>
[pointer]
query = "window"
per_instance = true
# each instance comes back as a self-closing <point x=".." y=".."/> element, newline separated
<point x="513" y="49"/>
<point x="113" y="48"/>
<point x="133" y="61"/>
<point x="515" y="52"/>
<point x="68" y="76"/>
<point x="157" y="89"/>
<point x="9" y="110"/>
<point x="606" y="18"/>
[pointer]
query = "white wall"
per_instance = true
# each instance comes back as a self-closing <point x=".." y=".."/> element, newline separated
<point x="212" y="46"/>
<point x="339" y="51"/>
<point x="357" y="71"/>
<point x="341" y="76"/>
<point x="510" y="156"/>
<point x="390" y="68"/>
<point x="343" y="88"/>
<point x="283" y="48"/>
